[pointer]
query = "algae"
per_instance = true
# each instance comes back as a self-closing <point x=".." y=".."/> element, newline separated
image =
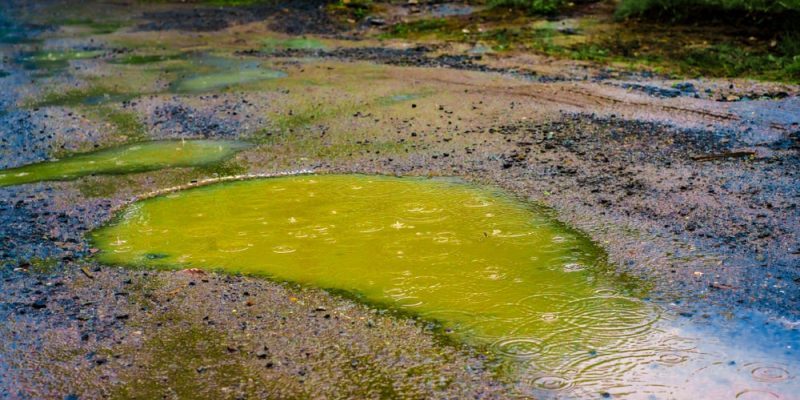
<point x="492" y="270"/>
<point x="138" y="157"/>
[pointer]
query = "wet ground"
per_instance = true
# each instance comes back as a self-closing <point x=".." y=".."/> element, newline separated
<point x="689" y="186"/>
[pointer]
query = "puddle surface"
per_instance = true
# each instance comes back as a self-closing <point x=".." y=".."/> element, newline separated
<point x="228" y="73"/>
<point x="132" y="158"/>
<point x="272" y="44"/>
<point x="491" y="269"/>
<point x="55" y="60"/>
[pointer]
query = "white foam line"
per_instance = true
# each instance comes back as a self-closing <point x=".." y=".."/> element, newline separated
<point x="210" y="181"/>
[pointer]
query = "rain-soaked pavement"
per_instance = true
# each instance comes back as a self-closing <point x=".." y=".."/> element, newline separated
<point x="684" y="204"/>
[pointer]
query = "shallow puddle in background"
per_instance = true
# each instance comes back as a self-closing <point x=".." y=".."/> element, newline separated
<point x="222" y="80"/>
<point x="495" y="272"/>
<point x="220" y="73"/>
<point x="131" y="158"/>
<point x="272" y="44"/>
<point x="53" y="60"/>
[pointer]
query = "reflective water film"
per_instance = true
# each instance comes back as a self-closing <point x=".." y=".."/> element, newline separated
<point x="131" y="158"/>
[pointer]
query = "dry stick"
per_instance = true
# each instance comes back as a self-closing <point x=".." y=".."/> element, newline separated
<point x="733" y="154"/>
<point x="87" y="273"/>
<point x="206" y="182"/>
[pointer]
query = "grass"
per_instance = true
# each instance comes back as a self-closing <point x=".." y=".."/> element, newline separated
<point x="218" y="3"/>
<point x="771" y="22"/>
<point x="676" y="10"/>
<point x="354" y="10"/>
<point x="416" y="28"/>
<point x="532" y="6"/>
<point x="93" y="95"/>
<point x="141" y="59"/>
<point x="126" y="124"/>
<point x="681" y="49"/>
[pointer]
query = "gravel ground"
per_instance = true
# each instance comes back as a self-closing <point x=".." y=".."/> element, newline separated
<point x="695" y="196"/>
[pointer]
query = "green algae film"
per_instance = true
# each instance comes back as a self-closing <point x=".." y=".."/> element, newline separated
<point x="222" y="80"/>
<point x="138" y="157"/>
<point x="489" y="268"/>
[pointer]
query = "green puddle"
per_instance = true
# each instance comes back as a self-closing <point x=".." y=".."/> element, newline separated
<point x="492" y="270"/>
<point x="131" y="158"/>
<point x="225" y="79"/>
<point x="52" y="60"/>
<point x="272" y="44"/>
<point x="142" y="59"/>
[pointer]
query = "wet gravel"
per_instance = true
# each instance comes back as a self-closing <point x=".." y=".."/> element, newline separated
<point x="99" y="332"/>
<point x="709" y="188"/>
<point x="418" y="56"/>
<point x="179" y="120"/>
<point x="296" y="17"/>
<point x="35" y="227"/>
<point x="20" y="141"/>
<point x="708" y="217"/>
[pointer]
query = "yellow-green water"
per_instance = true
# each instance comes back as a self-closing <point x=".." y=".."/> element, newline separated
<point x="225" y="79"/>
<point x="491" y="269"/>
<point x="131" y="158"/>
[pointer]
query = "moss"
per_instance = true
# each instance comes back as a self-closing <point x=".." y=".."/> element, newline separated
<point x="140" y="59"/>
<point x="179" y="357"/>
<point x="679" y="50"/>
<point x="227" y="168"/>
<point x="417" y="28"/>
<point x="680" y="10"/>
<point x="354" y="10"/>
<point x="124" y="124"/>
<point x="143" y="288"/>
<point x="43" y="265"/>
<point x="532" y="6"/>
<point x="308" y="114"/>
<point x="93" y="95"/>
<point x="102" y="186"/>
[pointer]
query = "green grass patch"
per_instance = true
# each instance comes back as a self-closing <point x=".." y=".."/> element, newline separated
<point x="532" y="6"/>
<point x="423" y="27"/>
<point x="94" y="95"/>
<point x="218" y="3"/>
<point x="351" y="9"/>
<point x="124" y="123"/>
<point x="141" y="59"/>
<point x="680" y="50"/>
<point x="706" y="9"/>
